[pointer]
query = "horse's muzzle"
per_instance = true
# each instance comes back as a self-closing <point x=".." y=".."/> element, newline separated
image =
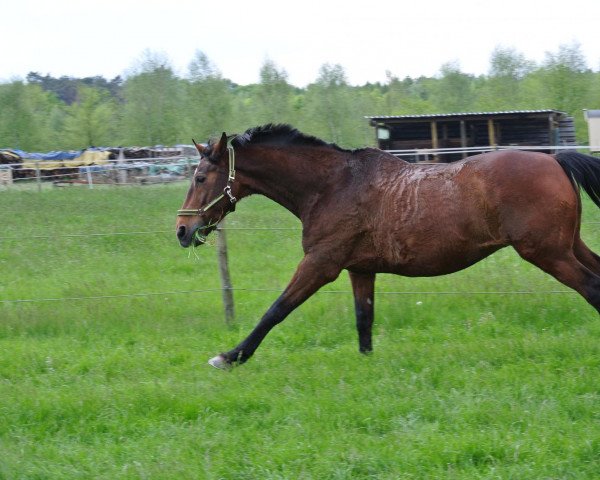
<point x="185" y="235"/>
<point x="188" y="236"/>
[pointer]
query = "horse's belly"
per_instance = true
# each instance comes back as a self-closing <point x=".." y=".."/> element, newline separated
<point x="439" y="263"/>
<point x="424" y="260"/>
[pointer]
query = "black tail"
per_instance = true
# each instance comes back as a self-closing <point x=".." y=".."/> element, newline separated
<point x="583" y="170"/>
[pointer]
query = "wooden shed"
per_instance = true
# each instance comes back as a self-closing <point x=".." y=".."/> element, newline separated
<point x="532" y="128"/>
<point x="593" y="120"/>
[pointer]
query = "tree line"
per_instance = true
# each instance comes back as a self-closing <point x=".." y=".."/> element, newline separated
<point x="152" y="105"/>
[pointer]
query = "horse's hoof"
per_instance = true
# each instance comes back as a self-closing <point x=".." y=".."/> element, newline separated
<point x="220" y="363"/>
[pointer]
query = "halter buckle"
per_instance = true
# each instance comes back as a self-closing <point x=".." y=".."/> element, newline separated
<point x="227" y="191"/>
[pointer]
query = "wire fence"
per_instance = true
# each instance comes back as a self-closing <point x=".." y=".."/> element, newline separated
<point x="84" y="174"/>
<point x="271" y="290"/>
<point x="120" y="172"/>
<point x="150" y="232"/>
<point x="160" y="232"/>
<point x="323" y="291"/>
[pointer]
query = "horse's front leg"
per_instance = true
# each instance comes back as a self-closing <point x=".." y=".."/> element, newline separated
<point x="309" y="277"/>
<point x="363" y="287"/>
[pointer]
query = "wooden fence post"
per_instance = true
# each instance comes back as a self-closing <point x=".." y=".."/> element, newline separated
<point x="121" y="168"/>
<point x="38" y="176"/>
<point x="226" y="287"/>
<point x="88" y="172"/>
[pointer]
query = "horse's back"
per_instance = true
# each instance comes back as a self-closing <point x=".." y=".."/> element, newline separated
<point x="433" y="219"/>
<point x="514" y="167"/>
<point x="517" y="181"/>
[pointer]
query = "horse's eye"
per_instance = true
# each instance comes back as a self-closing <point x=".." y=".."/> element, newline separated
<point x="200" y="179"/>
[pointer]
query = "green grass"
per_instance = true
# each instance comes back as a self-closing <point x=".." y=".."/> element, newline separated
<point x="459" y="387"/>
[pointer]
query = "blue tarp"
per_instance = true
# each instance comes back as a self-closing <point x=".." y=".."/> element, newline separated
<point x="56" y="155"/>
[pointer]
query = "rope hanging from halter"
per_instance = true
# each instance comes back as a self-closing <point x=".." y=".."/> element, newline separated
<point x="190" y="212"/>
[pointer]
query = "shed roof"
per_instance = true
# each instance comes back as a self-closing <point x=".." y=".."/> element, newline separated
<point x="433" y="116"/>
<point x="591" y="113"/>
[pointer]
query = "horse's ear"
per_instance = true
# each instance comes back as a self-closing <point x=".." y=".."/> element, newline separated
<point x="220" y="147"/>
<point x="201" y="149"/>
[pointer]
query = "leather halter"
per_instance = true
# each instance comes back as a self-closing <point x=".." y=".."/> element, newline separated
<point x="190" y="212"/>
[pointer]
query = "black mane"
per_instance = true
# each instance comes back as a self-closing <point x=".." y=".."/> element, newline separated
<point x="279" y="134"/>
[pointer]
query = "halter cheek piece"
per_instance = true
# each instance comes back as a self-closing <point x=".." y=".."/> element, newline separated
<point x="190" y="212"/>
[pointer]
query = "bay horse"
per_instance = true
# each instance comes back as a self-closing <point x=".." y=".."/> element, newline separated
<point x="366" y="211"/>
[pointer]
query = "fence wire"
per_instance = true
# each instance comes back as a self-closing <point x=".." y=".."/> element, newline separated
<point x="214" y="290"/>
<point x="152" y="232"/>
<point x="131" y="166"/>
<point x="328" y="292"/>
<point x="162" y="232"/>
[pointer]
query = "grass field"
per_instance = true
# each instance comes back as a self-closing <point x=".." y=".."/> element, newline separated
<point x="460" y="386"/>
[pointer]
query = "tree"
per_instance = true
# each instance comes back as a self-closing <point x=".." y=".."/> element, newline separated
<point x="407" y="96"/>
<point x="501" y="89"/>
<point x="24" y="113"/>
<point x="565" y="77"/>
<point x="509" y="63"/>
<point x="332" y="111"/>
<point x="90" y="120"/>
<point x="153" y="97"/>
<point x="453" y="92"/>
<point x="66" y="88"/>
<point x="273" y="95"/>
<point x="326" y="104"/>
<point x="208" y="99"/>
<point x="155" y="106"/>
<point x="563" y="82"/>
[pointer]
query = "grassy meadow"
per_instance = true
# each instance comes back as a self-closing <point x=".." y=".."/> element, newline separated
<point x="111" y="381"/>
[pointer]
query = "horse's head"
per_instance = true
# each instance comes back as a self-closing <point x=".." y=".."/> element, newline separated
<point x="209" y="197"/>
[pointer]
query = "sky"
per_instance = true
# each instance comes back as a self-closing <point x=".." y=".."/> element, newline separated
<point x="80" y="38"/>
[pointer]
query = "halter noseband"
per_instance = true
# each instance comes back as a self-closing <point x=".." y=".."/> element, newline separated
<point x="190" y="212"/>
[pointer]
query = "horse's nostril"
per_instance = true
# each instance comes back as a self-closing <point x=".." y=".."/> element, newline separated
<point x="181" y="232"/>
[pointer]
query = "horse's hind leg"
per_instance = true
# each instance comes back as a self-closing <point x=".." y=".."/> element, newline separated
<point x="568" y="270"/>
<point x="363" y="287"/>
<point x="586" y="256"/>
<point x="583" y="253"/>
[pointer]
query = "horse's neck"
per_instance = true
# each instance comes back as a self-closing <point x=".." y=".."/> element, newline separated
<point x="292" y="177"/>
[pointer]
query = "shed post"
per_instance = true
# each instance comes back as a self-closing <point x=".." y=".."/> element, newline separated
<point x="434" y="139"/>
<point x="491" y="133"/>
<point x="463" y="137"/>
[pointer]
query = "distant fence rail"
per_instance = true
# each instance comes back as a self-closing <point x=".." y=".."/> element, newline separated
<point x="125" y="171"/>
<point x="141" y="171"/>
<point x="424" y="154"/>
